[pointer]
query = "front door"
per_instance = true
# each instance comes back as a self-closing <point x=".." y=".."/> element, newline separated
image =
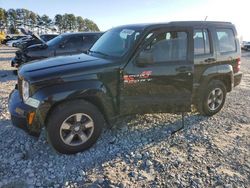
<point x="160" y="76"/>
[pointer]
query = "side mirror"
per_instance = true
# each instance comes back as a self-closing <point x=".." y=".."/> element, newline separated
<point x="144" y="58"/>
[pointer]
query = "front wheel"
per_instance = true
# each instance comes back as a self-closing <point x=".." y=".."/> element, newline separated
<point x="74" y="126"/>
<point x="212" y="98"/>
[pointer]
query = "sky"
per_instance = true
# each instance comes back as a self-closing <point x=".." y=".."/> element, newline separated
<point x="110" y="13"/>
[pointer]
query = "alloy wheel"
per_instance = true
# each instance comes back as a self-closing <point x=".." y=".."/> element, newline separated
<point x="77" y="129"/>
<point x="215" y="99"/>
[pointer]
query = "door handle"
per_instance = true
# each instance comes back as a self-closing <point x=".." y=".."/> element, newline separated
<point x="183" y="69"/>
<point x="210" y="60"/>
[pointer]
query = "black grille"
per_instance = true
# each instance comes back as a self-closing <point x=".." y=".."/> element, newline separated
<point x="18" y="54"/>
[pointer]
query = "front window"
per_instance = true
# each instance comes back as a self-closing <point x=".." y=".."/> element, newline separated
<point x="165" y="47"/>
<point x="115" y="42"/>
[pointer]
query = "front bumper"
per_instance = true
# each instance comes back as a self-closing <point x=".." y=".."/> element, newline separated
<point x="237" y="78"/>
<point x="19" y="114"/>
<point x="19" y="59"/>
<point x="16" y="62"/>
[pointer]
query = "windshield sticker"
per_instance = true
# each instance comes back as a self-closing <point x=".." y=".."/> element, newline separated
<point x="125" y="32"/>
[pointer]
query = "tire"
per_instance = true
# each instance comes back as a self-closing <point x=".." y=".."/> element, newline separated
<point x="74" y="126"/>
<point x="212" y="98"/>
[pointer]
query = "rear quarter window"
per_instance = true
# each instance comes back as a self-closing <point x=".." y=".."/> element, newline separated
<point x="226" y="40"/>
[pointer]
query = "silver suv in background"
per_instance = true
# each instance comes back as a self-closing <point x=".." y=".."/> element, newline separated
<point x="245" y="45"/>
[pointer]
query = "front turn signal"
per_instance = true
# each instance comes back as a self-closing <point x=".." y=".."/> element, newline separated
<point x="31" y="116"/>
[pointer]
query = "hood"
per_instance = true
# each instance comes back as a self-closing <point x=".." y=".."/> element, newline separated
<point x="62" y="66"/>
<point x="36" y="36"/>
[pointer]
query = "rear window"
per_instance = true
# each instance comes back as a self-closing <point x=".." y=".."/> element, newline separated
<point x="226" y="40"/>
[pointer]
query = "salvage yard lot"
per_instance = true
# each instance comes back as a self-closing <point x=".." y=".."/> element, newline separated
<point x="138" y="151"/>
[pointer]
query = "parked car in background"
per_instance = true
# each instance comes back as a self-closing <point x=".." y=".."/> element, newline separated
<point x="245" y="45"/>
<point x="242" y="44"/>
<point x="131" y="69"/>
<point x="36" y="39"/>
<point x="15" y="43"/>
<point x="12" y="43"/>
<point x="64" y="44"/>
<point x="11" y="38"/>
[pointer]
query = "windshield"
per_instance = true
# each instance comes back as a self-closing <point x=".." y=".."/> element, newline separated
<point x="54" y="41"/>
<point x="115" y="42"/>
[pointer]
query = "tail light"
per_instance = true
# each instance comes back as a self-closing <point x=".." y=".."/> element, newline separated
<point x="238" y="63"/>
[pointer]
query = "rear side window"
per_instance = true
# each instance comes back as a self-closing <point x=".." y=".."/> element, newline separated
<point x="226" y="40"/>
<point x="201" y="42"/>
<point x="74" y="41"/>
<point x="90" y="39"/>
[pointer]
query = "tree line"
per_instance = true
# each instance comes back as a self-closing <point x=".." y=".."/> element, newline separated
<point x="13" y="19"/>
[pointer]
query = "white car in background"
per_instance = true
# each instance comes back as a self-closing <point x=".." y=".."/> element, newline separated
<point x="11" y="43"/>
<point x="245" y="45"/>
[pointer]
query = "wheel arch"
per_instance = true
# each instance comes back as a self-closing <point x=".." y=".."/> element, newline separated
<point x="96" y="95"/>
<point x="91" y="99"/>
<point x="223" y="73"/>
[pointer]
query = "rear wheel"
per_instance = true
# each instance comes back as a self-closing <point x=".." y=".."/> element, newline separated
<point x="74" y="126"/>
<point x="212" y="98"/>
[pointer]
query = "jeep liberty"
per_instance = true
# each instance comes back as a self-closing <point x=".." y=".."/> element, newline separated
<point x="132" y="69"/>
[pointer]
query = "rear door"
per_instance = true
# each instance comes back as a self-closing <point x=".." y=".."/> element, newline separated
<point x="163" y="83"/>
<point x="204" y="49"/>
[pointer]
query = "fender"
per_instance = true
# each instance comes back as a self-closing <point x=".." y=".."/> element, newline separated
<point x="220" y="72"/>
<point x="93" y="91"/>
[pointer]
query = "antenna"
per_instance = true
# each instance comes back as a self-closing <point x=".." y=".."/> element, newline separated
<point x="206" y="18"/>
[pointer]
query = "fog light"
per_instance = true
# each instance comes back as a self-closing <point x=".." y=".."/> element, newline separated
<point x="31" y="116"/>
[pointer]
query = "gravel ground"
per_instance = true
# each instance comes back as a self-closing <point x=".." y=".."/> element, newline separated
<point x="138" y="151"/>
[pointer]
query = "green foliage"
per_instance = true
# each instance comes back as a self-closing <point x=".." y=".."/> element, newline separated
<point x="33" y="18"/>
<point x="2" y="15"/>
<point x="59" y="22"/>
<point x="2" y="18"/>
<point x="68" y="22"/>
<point x="13" y="29"/>
<point x="12" y="19"/>
<point x="90" y="25"/>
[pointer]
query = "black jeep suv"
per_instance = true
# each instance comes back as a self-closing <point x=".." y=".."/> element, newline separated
<point x="131" y="69"/>
<point x="64" y="44"/>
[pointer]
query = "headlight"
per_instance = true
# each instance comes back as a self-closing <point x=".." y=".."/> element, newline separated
<point x="25" y="90"/>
